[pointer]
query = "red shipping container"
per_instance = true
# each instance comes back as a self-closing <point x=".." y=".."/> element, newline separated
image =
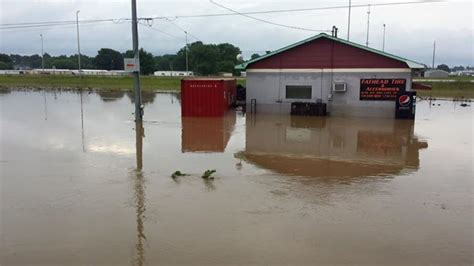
<point x="207" y="96"/>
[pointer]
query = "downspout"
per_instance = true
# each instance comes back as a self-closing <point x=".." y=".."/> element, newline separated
<point x="329" y="107"/>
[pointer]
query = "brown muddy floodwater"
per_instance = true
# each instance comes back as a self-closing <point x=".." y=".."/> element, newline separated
<point x="287" y="191"/>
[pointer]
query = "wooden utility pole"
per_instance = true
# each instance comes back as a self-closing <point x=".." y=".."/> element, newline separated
<point x="136" y="73"/>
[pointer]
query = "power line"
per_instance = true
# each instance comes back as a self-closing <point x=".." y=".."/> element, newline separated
<point x="301" y="9"/>
<point x="160" y="31"/>
<point x="266" y="21"/>
<point x="184" y="30"/>
<point x="57" y="23"/>
<point x="121" y="20"/>
<point x="67" y="26"/>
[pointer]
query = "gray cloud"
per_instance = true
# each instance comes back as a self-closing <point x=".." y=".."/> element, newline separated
<point x="411" y="29"/>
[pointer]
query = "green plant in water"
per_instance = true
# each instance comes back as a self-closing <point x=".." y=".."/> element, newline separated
<point x="208" y="174"/>
<point x="178" y="174"/>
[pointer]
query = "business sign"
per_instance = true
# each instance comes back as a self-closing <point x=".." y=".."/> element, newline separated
<point x="405" y="105"/>
<point x="131" y="65"/>
<point x="381" y="89"/>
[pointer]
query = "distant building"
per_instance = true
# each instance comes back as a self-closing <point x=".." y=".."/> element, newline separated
<point x="118" y="73"/>
<point x="11" y="72"/>
<point x="225" y="74"/>
<point x="56" y="71"/>
<point x="92" y="72"/>
<point x="173" y="73"/>
<point x="469" y="72"/>
<point x="436" y="73"/>
<point x="51" y="71"/>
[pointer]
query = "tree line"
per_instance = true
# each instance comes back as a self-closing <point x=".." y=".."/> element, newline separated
<point x="203" y="59"/>
<point x="453" y="69"/>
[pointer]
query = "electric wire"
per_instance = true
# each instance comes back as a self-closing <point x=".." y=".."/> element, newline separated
<point x="266" y="21"/>
<point x="184" y="30"/>
<point x="120" y="20"/>
<point x="300" y="9"/>
<point x="160" y="31"/>
<point x="58" y="23"/>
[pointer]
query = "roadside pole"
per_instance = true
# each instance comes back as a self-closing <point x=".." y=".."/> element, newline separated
<point x="368" y="25"/>
<point x="186" y="49"/>
<point x="42" y="55"/>
<point x="136" y="73"/>
<point x="349" y="21"/>
<point x="383" y="43"/>
<point x="78" y="44"/>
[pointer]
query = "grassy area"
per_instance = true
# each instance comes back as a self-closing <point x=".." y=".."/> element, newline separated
<point x="461" y="88"/>
<point x="458" y="89"/>
<point x="148" y="83"/>
<point x="456" y="78"/>
<point x="95" y="82"/>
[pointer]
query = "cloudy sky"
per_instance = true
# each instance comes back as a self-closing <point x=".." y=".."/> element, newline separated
<point x="410" y="29"/>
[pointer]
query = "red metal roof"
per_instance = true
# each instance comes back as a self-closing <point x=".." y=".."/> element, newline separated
<point x="326" y="53"/>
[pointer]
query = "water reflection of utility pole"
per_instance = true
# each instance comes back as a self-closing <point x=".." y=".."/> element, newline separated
<point x="139" y="196"/>
<point x="82" y="124"/>
<point x="139" y="134"/>
<point x="45" y="106"/>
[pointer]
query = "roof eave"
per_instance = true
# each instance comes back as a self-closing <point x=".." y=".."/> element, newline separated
<point x="242" y="66"/>
<point x="410" y="64"/>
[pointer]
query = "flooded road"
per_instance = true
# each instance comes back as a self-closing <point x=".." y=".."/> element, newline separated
<point x="287" y="190"/>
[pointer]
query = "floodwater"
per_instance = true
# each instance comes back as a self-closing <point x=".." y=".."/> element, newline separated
<point x="287" y="190"/>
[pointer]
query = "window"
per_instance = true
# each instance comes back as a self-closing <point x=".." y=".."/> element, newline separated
<point x="298" y="92"/>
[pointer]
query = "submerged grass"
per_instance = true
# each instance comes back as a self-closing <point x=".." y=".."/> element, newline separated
<point x="148" y="83"/>
<point x="457" y="90"/>
<point x="460" y="88"/>
<point x="95" y="82"/>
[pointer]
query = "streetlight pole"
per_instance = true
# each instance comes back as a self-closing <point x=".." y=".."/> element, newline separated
<point x="349" y="21"/>
<point x="42" y="54"/>
<point x="78" y="43"/>
<point x="186" y="35"/>
<point x="383" y="43"/>
<point x="368" y="24"/>
<point x="136" y="74"/>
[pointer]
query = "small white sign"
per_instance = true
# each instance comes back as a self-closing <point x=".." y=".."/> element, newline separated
<point x="131" y="65"/>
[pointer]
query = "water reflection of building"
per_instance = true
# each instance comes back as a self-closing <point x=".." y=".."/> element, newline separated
<point x="206" y="134"/>
<point x="330" y="147"/>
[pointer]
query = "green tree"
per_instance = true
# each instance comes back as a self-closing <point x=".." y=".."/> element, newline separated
<point x="5" y="62"/>
<point x="4" y="65"/>
<point x="457" y="68"/>
<point x="207" y="59"/>
<point x="26" y="61"/>
<point x="147" y="63"/>
<point x="108" y="59"/>
<point x="164" y="62"/>
<point x="86" y="61"/>
<point x="443" y="67"/>
<point x="254" y="56"/>
<point x="225" y="66"/>
<point x="62" y="63"/>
